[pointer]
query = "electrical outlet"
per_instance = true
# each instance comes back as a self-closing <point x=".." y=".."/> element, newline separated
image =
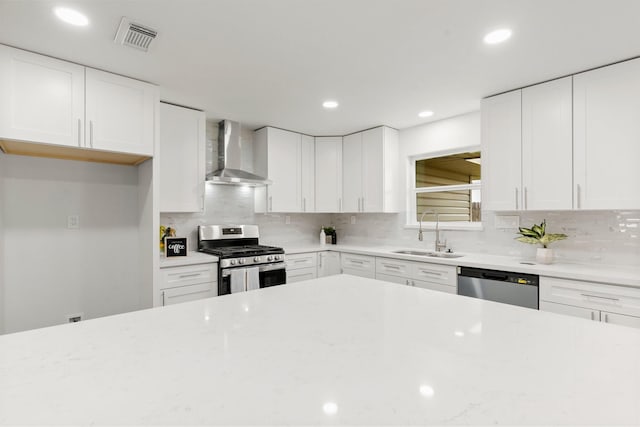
<point x="353" y="219"/>
<point x="287" y="219"/>
<point x="507" y="222"/>
<point x="74" y="318"/>
<point x="73" y="221"/>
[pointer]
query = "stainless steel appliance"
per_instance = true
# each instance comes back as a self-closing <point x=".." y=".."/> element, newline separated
<point x="244" y="264"/>
<point x="500" y="286"/>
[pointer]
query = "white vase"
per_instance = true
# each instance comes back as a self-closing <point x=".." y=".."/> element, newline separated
<point x="544" y="255"/>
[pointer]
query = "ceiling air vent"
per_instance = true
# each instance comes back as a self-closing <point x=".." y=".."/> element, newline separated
<point x="135" y="35"/>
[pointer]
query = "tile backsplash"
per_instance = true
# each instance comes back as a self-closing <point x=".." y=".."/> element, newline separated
<point x="601" y="237"/>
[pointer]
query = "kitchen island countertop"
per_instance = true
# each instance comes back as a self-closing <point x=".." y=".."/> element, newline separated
<point x="337" y="350"/>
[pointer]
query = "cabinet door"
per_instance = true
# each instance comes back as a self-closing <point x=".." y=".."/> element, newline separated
<point x="373" y="170"/>
<point x="308" y="176"/>
<point x="182" y="159"/>
<point x="42" y="99"/>
<point x="394" y="267"/>
<point x="607" y="137"/>
<point x="284" y="195"/>
<point x="620" y="319"/>
<point x="435" y="273"/>
<point x="120" y="113"/>
<point x="502" y="152"/>
<point x="570" y="310"/>
<point x="352" y="173"/>
<point x="547" y="146"/>
<point x="188" y="293"/>
<point x="296" y="261"/>
<point x="433" y="286"/>
<point x="301" y="275"/>
<point x="358" y="265"/>
<point x="329" y="174"/>
<point x="328" y="264"/>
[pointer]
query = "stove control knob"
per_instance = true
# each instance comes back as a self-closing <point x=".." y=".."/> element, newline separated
<point x="232" y="262"/>
<point x="269" y="258"/>
<point x="241" y="260"/>
<point x="256" y="259"/>
<point x="277" y="257"/>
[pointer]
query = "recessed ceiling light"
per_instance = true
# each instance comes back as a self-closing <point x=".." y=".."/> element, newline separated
<point x="330" y="104"/>
<point x="497" y="36"/>
<point x="71" y="16"/>
<point x="425" y="114"/>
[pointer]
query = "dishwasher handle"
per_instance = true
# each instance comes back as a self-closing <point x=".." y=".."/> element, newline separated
<point x="494" y="276"/>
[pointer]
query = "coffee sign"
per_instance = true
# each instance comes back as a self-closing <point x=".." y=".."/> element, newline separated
<point x="175" y="246"/>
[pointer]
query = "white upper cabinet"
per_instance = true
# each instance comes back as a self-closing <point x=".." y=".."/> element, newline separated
<point x="502" y="151"/>
<point x="278" y="156"/>
<point x="607" y="137"/>
<point x="120" y="113"/>
<point x="370" y="163"/>
<point x="547" y="150"/>
<point x="182" y="159"/>
<point x="307" y="173"/>
<point x="42" y="99"/>
<point x="328" y="174"/>
<point x="352" y="173"/>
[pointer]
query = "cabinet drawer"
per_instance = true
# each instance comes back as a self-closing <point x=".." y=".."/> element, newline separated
<point x="597" y="296"/>
<point x="296" y="261"/>
<point x="188" y="293"/>
<point x="393" y="279"/>
<point x="435" y="273"/>
<point x="620" y="319"/>
<point x="301" y="274"/>
<point x="173" y="277"/>
<point x="393" y="267"/>
<point x="359" y="263"/>
<point x="570" y="310"/>
<point x="434" y="286"/>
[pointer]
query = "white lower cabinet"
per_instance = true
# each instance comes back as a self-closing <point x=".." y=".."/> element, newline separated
<point x="423" y="275"/>
<point x="358" y="265"/>
<point x="301" y="267"/>
<point x="594" y="301"/>
<point x="187" y="283"/>
<point x="328" y="263"/>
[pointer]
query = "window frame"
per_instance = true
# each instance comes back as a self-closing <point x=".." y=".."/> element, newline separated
<point x="412" y="191"/>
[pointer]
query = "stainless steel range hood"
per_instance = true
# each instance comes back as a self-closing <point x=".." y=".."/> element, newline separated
<point x="230" y="170"/>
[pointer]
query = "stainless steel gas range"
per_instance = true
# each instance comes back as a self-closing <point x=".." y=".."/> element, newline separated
<point x="244" y="264"/>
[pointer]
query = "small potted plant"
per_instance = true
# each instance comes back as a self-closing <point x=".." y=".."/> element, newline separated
<point x="538" y="235"/>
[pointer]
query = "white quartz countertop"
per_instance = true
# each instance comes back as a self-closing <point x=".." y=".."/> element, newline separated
<point x="619" y="275"/>
<point x="338" y="350"/>
<point x="192" y="258"/>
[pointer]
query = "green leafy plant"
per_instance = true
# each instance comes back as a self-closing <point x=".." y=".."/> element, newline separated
<point x="328" y="230"/>
<point x="538" y="234"/>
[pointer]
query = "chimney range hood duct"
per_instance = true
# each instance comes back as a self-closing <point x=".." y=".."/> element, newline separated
<point x="230" y="159"/>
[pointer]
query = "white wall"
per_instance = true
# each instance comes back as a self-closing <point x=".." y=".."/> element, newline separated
<point x="606" y="237"/>
<point x="51" y="271"/>
<point x="2" y="156"/>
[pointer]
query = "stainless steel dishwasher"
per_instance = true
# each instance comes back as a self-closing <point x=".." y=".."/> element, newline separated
<point x="500" y="286"/>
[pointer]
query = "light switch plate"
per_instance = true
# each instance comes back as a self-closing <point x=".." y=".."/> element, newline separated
<point x="73" y="221"/>
<point x="507" y="222"/>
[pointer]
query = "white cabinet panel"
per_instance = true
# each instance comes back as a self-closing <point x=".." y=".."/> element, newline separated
<point x="393" y="279"/>
<point x="182" y="159"/>
<point x="120" y="113"/>
<point x="443" y="274"/>
<point x="434" y="286"/>
<point x="352" y="172"/>
<point x="42" y="99"/>
<point x="358" y="265"/>
<point x="188" y="293"/>
<point x="328" y="167"/>
<point x="188" y="275"/>
<point x="305" y="260"/>
<point x="302" y="274"/>
<point x="328" y="264"/>
<point x="607" y="137"/>
<point x="547" y="146"/>
<point x="373" y="171"/>
<point x="394" y="267"/>
<point x="502" y="152"/>
<point x="307" y="173"/>
<point x="570" y="310"/>
<point x="620" y="319"/>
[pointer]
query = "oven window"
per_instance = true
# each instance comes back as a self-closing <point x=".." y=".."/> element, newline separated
<point x="273" y="277"/>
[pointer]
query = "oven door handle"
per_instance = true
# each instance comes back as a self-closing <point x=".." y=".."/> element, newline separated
<point x="271" y="267"/>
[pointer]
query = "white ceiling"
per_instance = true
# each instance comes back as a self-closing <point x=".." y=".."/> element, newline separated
<point x="273" y="62"/>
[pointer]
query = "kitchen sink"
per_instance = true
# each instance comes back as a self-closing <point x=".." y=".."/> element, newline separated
<point x="428" y="254"/>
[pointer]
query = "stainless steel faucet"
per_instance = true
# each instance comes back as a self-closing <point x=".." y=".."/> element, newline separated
<point x="438" y="244"/>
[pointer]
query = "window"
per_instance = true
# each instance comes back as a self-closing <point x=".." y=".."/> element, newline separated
<point x="447" y="186"/>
